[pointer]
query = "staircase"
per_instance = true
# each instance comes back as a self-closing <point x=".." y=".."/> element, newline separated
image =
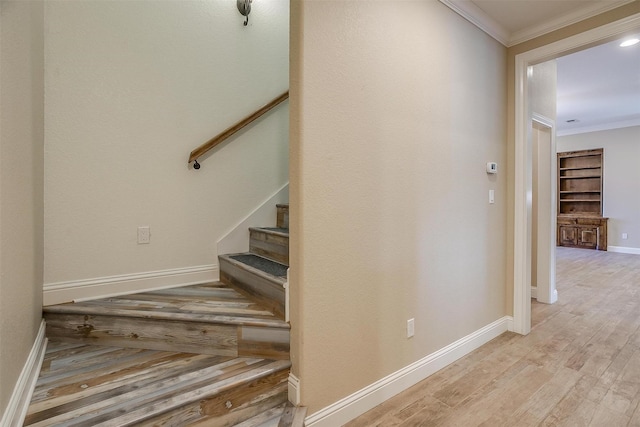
<point x="215" y="354"/>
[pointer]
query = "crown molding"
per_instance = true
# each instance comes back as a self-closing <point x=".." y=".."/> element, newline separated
<point x="480" y="19"/>
<point x="599" y="127"/>
<point x="564" y="20"/>
<point x="468" y="10"/>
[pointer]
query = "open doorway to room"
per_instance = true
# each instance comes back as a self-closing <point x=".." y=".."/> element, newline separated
<point x="524" y="215"/>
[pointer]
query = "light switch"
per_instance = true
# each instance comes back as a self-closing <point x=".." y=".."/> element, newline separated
<point x="492" y="198"/>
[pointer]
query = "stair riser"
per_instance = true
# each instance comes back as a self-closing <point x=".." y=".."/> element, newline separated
<point x="269" y="245"/>
<point x="282" y="216"/>
<point x="266" y="292"/>
<point x="264" y="343"/>
<point x="190" y="337"/>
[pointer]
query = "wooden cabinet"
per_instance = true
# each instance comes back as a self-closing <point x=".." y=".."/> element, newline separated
<point x="580" y="221"/>
<point x="582" y="232"/>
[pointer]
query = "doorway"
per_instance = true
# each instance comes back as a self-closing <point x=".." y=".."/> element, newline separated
<point x="524" y="156"/>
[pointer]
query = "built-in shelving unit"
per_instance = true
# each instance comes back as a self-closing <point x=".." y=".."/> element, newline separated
<point x="580" y="221"/>
<point x="580" y="182"/>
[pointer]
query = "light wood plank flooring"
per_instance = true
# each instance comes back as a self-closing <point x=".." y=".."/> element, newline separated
<point x="579" y="366"/>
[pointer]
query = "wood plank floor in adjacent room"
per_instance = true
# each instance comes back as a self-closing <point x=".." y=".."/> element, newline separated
<point x="579" y="366"/>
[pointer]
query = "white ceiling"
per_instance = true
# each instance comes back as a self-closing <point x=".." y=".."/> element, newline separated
<point x="599" y="87"/>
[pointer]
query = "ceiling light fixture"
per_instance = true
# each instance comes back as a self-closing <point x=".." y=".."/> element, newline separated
<point x="629" y="42"/>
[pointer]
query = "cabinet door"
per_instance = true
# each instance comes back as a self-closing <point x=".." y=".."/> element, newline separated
<point x="588" y="237"/>
<point x="568" y="235"/>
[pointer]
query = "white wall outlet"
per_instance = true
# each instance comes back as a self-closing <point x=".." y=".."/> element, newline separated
<point x="624" y="236"/>
<point x="144" y="235"/>
<point x="410" y="328"/>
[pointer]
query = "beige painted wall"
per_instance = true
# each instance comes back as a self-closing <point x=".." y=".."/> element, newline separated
<point x="396" y="108"/>
<point x="132" y="88"/>
<point x="621" y="179"/>
<point x="568" y="31"/>
<point x="21" y="185"/>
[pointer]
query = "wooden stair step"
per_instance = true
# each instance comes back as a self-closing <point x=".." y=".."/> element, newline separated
<point x="269" y="418"/>
<point x="265" y="288"/>
<point x="282" y="220"/>
<point x="285" y="415"/>
<point x="215" y="303"/>
<point x="271" y="243"/>
<point x="210" y="319"/>
<point x="155" y="386"/>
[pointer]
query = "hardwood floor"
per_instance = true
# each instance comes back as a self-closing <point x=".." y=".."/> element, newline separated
<point x="88" y="385"/>
<point x="209" y="354"/>
<point x="579" y="366"/>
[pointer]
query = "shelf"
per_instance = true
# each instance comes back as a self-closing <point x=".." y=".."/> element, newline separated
<point x="580" y="182"/>
<point x="578" y="191"/>
<point x="580" y="168"/>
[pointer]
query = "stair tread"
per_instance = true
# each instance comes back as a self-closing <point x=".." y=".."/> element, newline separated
<point x="271" y="269"/>
<point x="120" y="391"/>
<point x="213" y="303"/>
<point x="270" y="418"/>
<point x="284" y="232"/>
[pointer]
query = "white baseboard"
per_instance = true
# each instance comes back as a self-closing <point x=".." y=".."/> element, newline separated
<point x="102" y="287"/>
<point x="19" y="402"/>
<point x="623" y="250"/>
<point x="367" y="398"/>
<point x="534" y="292"/>
<point x="294" y="389"/>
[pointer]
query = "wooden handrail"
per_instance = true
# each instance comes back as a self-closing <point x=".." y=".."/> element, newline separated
<point x="233" y="129"/>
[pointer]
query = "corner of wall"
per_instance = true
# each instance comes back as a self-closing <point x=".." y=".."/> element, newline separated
<point x="19" y="402"/>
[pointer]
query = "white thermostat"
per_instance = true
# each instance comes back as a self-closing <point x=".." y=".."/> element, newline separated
<point x="492" y="167"/>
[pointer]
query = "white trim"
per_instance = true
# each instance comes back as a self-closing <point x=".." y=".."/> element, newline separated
<point x="547" y="277"/>
<point x="522" y="209"/>
<point x="472" y="13"/>
<point x="293" y="388"/>
<point x="19" y="403"/>
<point x="521" y="297"/>
<point x="286" y="298"/>
<point x="363" y="400"/>
<point x="563" y="21"/>
<point x="623" y="250"/>
<point x="480" y="19"/>
<point x="102" y="287"/>
<point x="534" y="292"/>
<point x="600" y="127"/>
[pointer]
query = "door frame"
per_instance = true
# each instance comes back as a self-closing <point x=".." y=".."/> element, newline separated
<point x="523" y="188"/>
<point x="546" y="291"/>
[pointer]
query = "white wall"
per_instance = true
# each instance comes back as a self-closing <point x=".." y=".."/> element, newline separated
<point x="621" y="179"/>
<point x="396" y="108"/>
<point x="131" y="89"/>
<point x="21" y="185"/>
